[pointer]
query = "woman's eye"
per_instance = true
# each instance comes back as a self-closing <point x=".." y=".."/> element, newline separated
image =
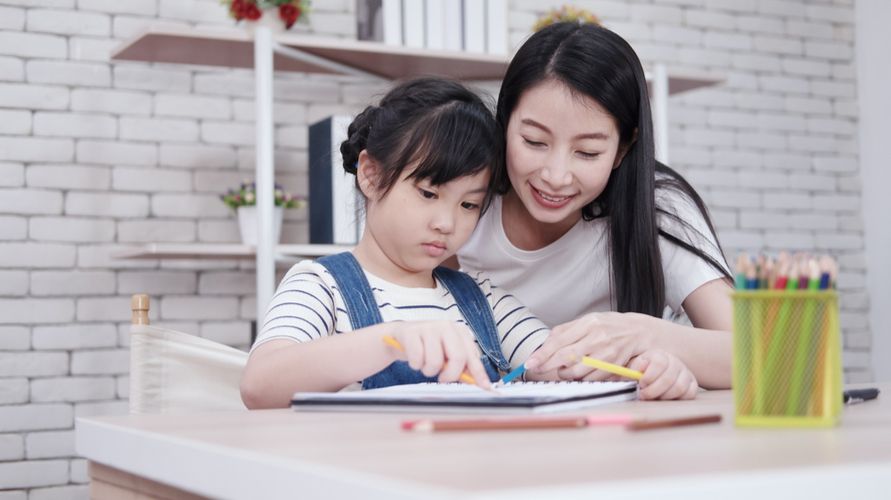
<point x="588" y="156"/>
<point x="532" y="143"/>
<point x="470" y="206"/>
<point x="427" y="194"/>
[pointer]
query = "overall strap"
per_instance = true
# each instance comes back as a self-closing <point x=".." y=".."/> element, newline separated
<point x="354" y="288"/>
<point x="476" y="311"/>
<point x="363" y="312"/>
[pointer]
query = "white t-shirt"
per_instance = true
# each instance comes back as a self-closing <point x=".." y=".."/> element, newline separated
<point x="308" y="306"/>
<point x="570" y="277"/>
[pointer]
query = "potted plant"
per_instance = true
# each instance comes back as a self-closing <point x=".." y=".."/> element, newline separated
<point x="277" y="14"/>
<point x="566" y="13"/>
<point x="244" y="201"/>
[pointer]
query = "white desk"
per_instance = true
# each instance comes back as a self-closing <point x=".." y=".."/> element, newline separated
<point x="284" y="454"/>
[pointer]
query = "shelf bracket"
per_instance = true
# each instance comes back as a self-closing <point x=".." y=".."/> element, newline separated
<point x="315" y="60"/>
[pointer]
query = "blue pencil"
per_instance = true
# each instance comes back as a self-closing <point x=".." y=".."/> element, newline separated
<point x="516" y="372"/>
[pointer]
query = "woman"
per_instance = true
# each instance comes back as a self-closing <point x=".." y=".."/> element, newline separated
<point x="591" y="232"/>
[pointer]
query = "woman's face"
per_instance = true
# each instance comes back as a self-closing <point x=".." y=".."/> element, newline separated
<point x="561" y="148"/>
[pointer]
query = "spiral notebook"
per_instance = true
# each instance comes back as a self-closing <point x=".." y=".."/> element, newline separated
<point x="515" y="397"/>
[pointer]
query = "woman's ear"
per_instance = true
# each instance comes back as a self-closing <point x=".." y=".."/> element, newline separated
<point x="367" y="173"/>
<point x="623" y="150"/>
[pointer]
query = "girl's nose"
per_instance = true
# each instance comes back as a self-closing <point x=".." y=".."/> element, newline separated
<point x="443" y="222"/>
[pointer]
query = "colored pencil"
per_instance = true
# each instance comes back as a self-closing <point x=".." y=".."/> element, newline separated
<point x="614" y="369"/>
<point x="516" y="372"/>
<point x="645" y="425"/>
<point x="806" y="349"/>
<point x="516" y="423"/>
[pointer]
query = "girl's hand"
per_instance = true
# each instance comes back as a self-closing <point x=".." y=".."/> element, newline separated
<point x="665" y="376"/>
<point x="439" y="347"/>
<point x="609" y="336"/>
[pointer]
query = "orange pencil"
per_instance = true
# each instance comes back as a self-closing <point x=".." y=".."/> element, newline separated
<point x="390" y="341"/>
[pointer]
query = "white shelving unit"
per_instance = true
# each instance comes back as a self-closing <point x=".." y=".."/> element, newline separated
<point x="265" y="52"/>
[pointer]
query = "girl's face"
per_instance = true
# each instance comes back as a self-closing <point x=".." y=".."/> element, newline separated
<point x="561" y="149"/>
<point x="416" y="226"/>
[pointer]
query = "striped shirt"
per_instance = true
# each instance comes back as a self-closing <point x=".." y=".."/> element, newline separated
<point x="308" y="306"/>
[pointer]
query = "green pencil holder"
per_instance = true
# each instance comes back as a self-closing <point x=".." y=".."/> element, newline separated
<point x="787" y="368"/>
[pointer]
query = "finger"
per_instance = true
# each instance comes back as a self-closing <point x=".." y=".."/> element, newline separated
<point x="475" y="366"/>
<point x="692" y="391"/>
<point x="655" y="365"/>
<point x="564" y="357"/>
<point x="652" y="366"/>
<point x="667" y="376"/>
<point x="639" y="363"/>
<point x="569" y="373"/>
<point x="476" y="370"/>
<point x="680" y="386"/>
<point x="456" y="356"/>
<point x="414" y="350"/>
<point x="595" y="375"/>
<point x="552" y="353"/>
<point x="434" y="358"/>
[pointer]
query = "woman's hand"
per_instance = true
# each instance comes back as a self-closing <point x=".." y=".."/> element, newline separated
<point x="608" y="336"/>
<point x="664" y="376"/>
<point x="439" y="347"/>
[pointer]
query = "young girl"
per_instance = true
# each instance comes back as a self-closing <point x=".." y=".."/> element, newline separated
<point x="592" y="233"/>
<point x="423" y="160"/>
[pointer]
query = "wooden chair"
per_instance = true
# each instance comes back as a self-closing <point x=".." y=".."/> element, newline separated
<point x="174" y="372"/>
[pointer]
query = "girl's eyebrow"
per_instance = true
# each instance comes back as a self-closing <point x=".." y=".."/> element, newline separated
<point x="594" y="135"/>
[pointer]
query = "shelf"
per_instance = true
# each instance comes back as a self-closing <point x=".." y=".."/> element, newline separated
<point x="224" y="251"/>
<point x="680" y="81"/>
<point x="233" y="48"/>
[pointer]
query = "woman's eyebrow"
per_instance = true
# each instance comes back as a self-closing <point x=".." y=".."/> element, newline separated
<point x="593" y="135"/>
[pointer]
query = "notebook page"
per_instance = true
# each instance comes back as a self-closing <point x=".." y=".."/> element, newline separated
<point x="516" y="397"/>
<point x="513" y="390"/>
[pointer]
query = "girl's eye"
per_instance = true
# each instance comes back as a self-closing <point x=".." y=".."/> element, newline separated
<point x="470" y="206"/>
<point x="588" y="156"/>
<point x="430" y="195"/>
<point x="532" y="143"/>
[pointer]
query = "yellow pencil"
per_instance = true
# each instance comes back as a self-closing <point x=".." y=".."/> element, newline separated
<point x="390" y="341"/>
<point x="614" y="369"/>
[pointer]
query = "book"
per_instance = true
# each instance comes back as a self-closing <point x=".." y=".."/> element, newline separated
<point x="515" y="397"/>
<point x="335" y="215"/>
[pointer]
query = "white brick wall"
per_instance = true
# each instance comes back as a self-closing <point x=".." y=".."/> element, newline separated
<point x="97" y="155"/>
<point x="33" y="473"/>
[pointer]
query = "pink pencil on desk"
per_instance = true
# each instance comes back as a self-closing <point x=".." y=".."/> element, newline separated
<point x="516" y="423"/>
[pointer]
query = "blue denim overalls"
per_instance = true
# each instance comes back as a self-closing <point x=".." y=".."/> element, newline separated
<point x="363" y="312"/>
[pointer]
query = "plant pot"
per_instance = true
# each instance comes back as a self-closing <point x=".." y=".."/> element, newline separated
<point x="248" y="226"/>
<point x="270" y="19"/>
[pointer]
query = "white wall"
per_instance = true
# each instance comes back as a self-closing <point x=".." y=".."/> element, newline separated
<point x="874" y="89"/>
<point x="96" y="155"/>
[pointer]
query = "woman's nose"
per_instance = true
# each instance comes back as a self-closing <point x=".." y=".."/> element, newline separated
<point x="556" y="175"/>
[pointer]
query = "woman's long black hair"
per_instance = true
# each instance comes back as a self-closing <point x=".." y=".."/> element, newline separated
<point x="593" y="61"/>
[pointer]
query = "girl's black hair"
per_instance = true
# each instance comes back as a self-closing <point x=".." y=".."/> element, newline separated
<point x="437" y="124"/>
<point x="593" y="61"/>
